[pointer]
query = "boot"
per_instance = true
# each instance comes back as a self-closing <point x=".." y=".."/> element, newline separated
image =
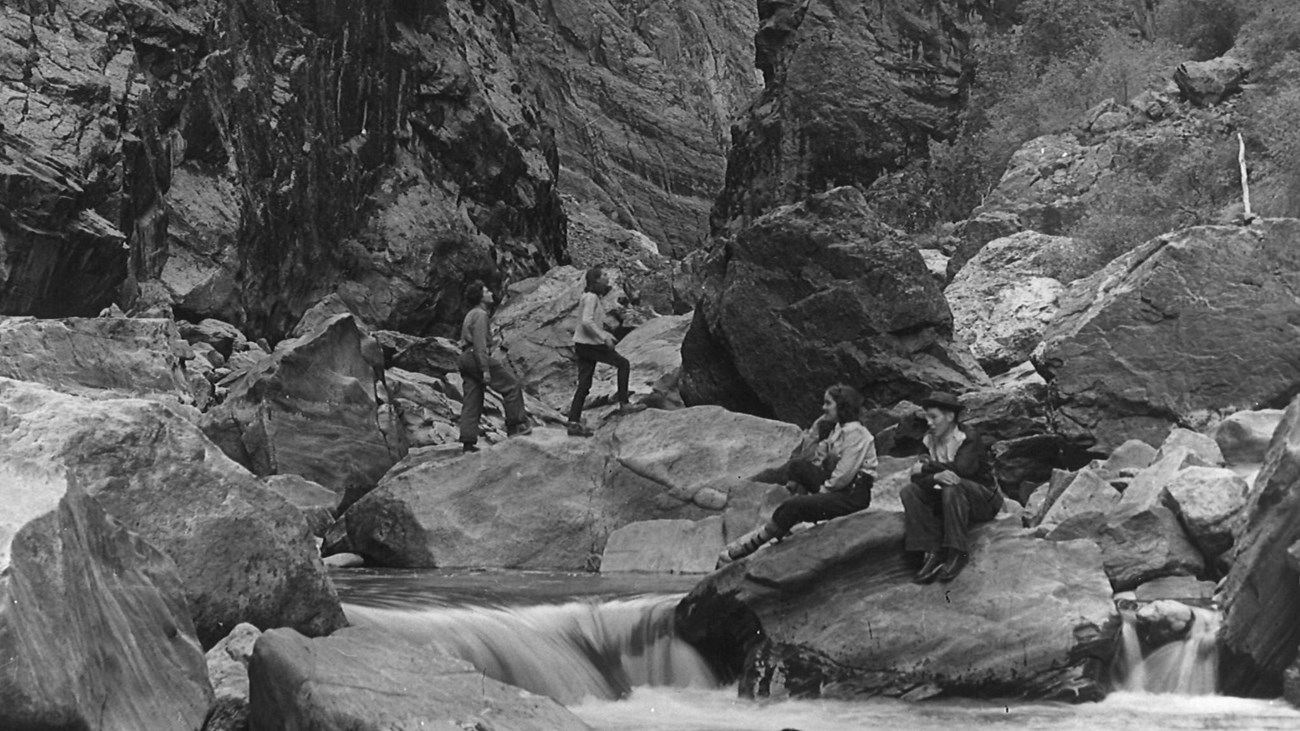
<point x="577" y="429"/>
<point x="468" y="447"/>
<point x="748" y="543"/>
<point x="956" y="562"/>
<point x="930" y="568"/>
<point x="522" y="429"/>
<point x="626" y="408"/>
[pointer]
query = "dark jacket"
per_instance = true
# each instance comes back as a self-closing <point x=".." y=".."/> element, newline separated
<point x="971" y="463"/>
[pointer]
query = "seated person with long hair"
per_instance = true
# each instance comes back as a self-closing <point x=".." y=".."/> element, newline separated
<point x="838" y="478"/>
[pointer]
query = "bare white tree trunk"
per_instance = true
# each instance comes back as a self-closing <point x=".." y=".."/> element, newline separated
<point x="1245" y="181"/>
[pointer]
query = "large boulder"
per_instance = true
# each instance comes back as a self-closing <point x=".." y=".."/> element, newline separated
<point x="814" y="293"/>
<point x="551" y="501"/>
<point x="1209" y="501"/>
<point x="975" y="233"/>
<point x="1188" y="326"/>
<point x="1206" y="83"/>
<point x="537" y="320"/>
<point x="1261" y="594"/>
<point x="832" y="612"/>
<point x="310" y="409"/>
<point x="363" y="679"/>
<point x="97" y="357"/>
<point x="243" y="553"/>
<point x="1049" y="183"/>
<point x="1087" y="492"/>
<point x="1137" y="546"/>
<point x="1004" y="298"/>
<point x="94" y="630"/>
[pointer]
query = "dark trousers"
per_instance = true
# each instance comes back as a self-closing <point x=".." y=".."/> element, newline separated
<point x="502" y="379"/>
<point x="942" y="517"/>
<point x="820" y="505"/>
<point x="588" y="356"/>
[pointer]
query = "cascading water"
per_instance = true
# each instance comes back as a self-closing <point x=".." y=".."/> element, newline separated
<point x="566" y="651"/>
<point x="1189" y="666"/>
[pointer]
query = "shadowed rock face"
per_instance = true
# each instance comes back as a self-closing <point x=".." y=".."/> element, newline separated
<point x="1261" y="594"/>
<point x="851" y="91"/>
<point x="832" y="612"/>
<point x="814" y="293"/>
<point x="242" y="160"/>
<point x="256" y="156"/>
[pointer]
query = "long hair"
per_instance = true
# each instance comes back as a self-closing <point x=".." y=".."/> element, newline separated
<point x="474" y="293"/>
<point x="848" y="402"/>
<point x="593" y="276"/>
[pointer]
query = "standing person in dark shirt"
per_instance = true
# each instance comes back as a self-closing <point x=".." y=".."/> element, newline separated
<point x="592" y="344"/>
<point x="951" y="489"/>
<point x="480" y="368"/>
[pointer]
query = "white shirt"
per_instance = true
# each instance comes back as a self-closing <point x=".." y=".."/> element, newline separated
<point x="853" y="449"/>
<point x="945" y="450"/>
<point x="591" y="310"/>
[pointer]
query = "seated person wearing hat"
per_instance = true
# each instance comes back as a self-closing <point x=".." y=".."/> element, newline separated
<point x="951" y="488"/>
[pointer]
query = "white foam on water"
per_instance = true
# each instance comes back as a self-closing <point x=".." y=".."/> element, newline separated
<point x="671" y="709"/>
<point x="568" y="651"/>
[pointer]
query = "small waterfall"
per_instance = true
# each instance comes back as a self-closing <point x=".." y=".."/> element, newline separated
<point x="566" y="651"/>
<point x="1189" y="666"/>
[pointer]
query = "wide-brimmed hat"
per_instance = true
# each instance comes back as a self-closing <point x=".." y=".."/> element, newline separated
<point x="942" y="400"/>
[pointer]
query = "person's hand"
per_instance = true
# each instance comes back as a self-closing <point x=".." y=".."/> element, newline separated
<point x="947" y="477"/>
<point x="916" y="468"/>
<point x="610" y="340"/>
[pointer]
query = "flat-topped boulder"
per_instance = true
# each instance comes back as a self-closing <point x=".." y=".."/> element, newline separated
<point x="550" y="501"/>
<point x="101" y="357"/>
<point x="94" y="628"/>
<point x="363" y="679"/>
<point x="243" y="553"/>
<point x="832" y="612"/>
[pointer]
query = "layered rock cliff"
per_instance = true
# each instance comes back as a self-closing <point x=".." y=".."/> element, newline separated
<point x="242" y="160"/>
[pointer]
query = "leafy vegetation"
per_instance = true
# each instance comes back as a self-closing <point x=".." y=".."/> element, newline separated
<point x="1060" y="58"/>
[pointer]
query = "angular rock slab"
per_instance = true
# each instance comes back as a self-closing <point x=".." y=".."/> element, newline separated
<point x="1261" y="594"/>
<point x="1137" y="545"/>
<point x="97" y="357"/>
<point x="1209" y="501"/>
<point x="1187" y="326"/>
<point x="832" y="612"/>
<point x="664" y="547"/>
<point x="551" y="501"/>
<point x="361" y="679"/>
<point x="94" y="629"/>
<point x="243" y="553"/>
<point x="309" y="409"/>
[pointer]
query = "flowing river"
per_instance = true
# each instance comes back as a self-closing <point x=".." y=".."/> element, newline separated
<point x="605" y="647"/>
